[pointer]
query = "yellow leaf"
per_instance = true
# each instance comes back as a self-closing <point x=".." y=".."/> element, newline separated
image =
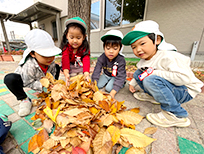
<point x="136" y="138"/>
<point x="50" y="77"/>
<point x="45" y="82"/>
<point x="115" y="134"/>
<point x="47" y="101"/>
<point x="48" y="111"/>
<point x="93" y="110"/>
<point x="55" y="104"/>
<point x="135" y="150"/>
<point x="136" y="110"/>
<point x="129" y="117"/>
<point x="150" y="130"/>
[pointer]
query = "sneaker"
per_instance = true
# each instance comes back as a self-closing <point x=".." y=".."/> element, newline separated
<point x="25" y="107"/>
<point x="145" y="97"/>
<point x="167" y="119"/>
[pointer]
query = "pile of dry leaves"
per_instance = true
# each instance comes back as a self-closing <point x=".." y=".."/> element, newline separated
<point x="86" y="121"/>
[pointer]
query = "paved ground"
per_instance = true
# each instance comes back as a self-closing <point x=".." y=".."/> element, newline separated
<point x="172" y="140"/>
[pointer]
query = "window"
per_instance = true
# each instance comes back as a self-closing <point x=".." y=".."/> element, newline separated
<point x="95" y="14"/>
<point x="121" y="12"/>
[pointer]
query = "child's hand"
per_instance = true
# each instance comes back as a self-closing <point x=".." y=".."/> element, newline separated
<point x="67" y="76"/>
<point x="112" y="93"/>
<point x="132" y="89"/>
<point x="87" y="76"/>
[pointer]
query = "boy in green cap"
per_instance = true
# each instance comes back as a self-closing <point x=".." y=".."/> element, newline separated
<point x="163" y="74"/>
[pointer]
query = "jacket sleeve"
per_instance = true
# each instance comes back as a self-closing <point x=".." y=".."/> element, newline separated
<point x="65" y="59"/>
<point x="175" y="72"/>
<point x="30" y="80"/>
<point x="121" y="76"/>
<point x="97" y="69"/>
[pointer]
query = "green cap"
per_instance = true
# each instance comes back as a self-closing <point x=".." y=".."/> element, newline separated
<point x="133" y="36"/>
<point x="76" y="20"/>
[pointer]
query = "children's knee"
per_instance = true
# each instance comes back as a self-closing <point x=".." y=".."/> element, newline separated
<point x="108" y="88"/>
<point x="10" y="78"/>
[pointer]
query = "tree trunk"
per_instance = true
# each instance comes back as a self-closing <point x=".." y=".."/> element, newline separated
<point x="82" y="9"/>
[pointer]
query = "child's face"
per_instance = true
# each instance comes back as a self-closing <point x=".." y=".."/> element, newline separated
<point x="111" y="51"/>
<point x="75" y="37"/>
<point x="144" y="48"/>
<point x="43" y="61"/>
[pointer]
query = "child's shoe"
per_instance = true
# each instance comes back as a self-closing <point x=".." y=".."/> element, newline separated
<point x="167" y="119"/>
<point x="145" y="97"/>
<point x="25" y="107"/>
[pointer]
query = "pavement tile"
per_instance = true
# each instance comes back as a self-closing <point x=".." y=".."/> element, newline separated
<point x="189" y="133"/>
<point x="24" y="146"/>
<point x="31" y="91"/>
<point x="31" y="96"/>
<point x="30" y="116"/>
<point x="5" y="109"/>
<point x="12" y="101"/>
<point x="8" y="144"/>
<point x="2" y="102"/>
<point x="166" y="142"/>
<point x="14" y="117"/>
<point x="189" y="147"/>
<point x="21" y="131"/>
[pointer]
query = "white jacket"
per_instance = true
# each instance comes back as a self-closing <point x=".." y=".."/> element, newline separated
<point x="175" y="68"/>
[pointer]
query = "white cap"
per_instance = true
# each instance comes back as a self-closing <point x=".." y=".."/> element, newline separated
<point x="113" y="32"/>
<point x="41" y="42"/>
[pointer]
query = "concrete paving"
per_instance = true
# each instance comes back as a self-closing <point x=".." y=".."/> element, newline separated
<point x="173" y="140"/>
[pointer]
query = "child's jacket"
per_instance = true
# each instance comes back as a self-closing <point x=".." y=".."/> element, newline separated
<point x="107" y="66"/>
<point x="175" y="68"/>
<point x="31" y="73"/>
<point x="69" y="57"/>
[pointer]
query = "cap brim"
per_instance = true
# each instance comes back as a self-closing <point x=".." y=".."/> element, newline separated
<point x="75" y="21"/>
<point x="49" y="52"/>
<point x="105" y="36"/>
<point x="133" y="36"/>
<point x="46" y="53"/>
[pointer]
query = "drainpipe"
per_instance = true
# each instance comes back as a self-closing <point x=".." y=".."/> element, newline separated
<point x="5" y="35"/>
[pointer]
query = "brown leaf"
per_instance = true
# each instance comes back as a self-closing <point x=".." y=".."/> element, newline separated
<point x="104" y="105"/>
<point x="129" y="117"/>
<point x="101" y="138"/>
<point x="106" y="149"/>
<point x="150" y="130"/>
<point x="98" y="96"/>
<point x="48" y="124"/>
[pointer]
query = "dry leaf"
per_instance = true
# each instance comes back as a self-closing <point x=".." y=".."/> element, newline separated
<point x="115" y="134"/>
<point x="136" y="138"/>
<point x="45" y="82"/>
<point x="135" y="150"/>
<point x="129" y="117"/>
<point x="98" y="96"/>
<point x="150" y="130"/>
<point x="136" y="110"/>
<point x="100" y="139"/>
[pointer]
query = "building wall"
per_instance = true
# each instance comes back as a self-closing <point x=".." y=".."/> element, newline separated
<point x="181" y="21"/>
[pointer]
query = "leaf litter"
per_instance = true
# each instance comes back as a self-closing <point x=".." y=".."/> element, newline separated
<point x="86" y="120"/>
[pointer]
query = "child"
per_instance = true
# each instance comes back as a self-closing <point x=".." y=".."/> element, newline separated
<point x="75" y="49"/>
<point x="165" y="75"/>
<point x="112" y="63"/>
<point x="38" y="59"/>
